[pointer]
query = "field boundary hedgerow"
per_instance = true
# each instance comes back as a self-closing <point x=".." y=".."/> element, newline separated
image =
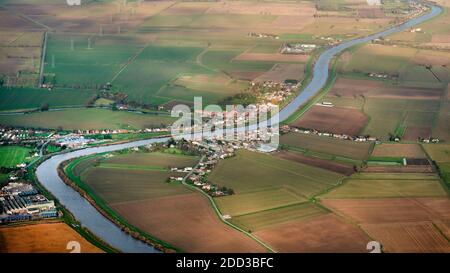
<point x="219" y="214"/>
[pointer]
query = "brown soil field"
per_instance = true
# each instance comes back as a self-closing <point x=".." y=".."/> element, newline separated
<point x="282" y="72"/>
<point x="413" y="133"/>
<point x="432" y="58"/>
<point x="400" y="169"/>
<point x="285" y="9"/>
<point x="325" y="233"/>
<point x="187" y="222"/>
<point x="294" y="23"/>
<point x="245" y="75"/>
<point x="371" y="13"/>
<point x="328" y="145"/>
<point x="444" y="226"/>
<point x="375" y="211"/>
<point x="10" y="21"/>
<point x="398" y="150"/>
<point x="401" y="224"/>
<point x="351" y="88"/>
<point x="89" y="18"/>
<point x="188" y="8"/>
<point x="438" y="207"/>
<point x="267" y="57"/>
<point x="333" y="119"/>
<point x="42" y="238"/>
<point x="409" y="237"/>
<point x="317" y="162"/>
<point x="440" y="38"/>
<point x="172" y="103"/>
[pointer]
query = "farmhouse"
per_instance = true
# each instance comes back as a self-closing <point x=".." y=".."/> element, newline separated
<point x="298" y="48"/>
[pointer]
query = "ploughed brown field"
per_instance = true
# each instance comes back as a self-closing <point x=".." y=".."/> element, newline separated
<point x="336" y="120"/>
<point x="413" y="133"/>
<point x="351" y="88"/>
<point x="425" y="57"/>
<point x="402" y="224"/>
<point x="276" y="57"/>
<point x="409" y="237"/>
<point x="282" y="72"/>
<point x="42" y="238"/>
<point x="398" y="150"/>
<point x="188" y="222"/>
<point x="317" y="162"/>
<point x="325" y="233"/>
<point x="246" y="75"/>
<point x="384" y="210"/>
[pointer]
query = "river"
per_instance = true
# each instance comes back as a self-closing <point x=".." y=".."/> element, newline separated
<point x="90" y="218"/>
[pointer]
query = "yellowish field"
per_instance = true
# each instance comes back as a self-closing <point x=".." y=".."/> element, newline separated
<point x="273" y="217"/>
<point x="250" y="202"/>
<point x="438" y="152"/>
<point x="41" y="238"/>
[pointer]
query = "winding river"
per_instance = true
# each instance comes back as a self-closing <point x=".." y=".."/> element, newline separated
<point x="90" y="218"/>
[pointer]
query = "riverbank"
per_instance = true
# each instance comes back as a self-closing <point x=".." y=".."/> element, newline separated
<point x="64" y="172"/>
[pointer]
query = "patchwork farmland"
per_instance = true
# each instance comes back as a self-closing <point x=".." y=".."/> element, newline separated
<point x="112" y="70"/>
<point x="134" y="187"/>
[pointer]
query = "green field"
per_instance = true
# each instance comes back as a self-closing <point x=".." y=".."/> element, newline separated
<point x="3" y="178"/>
<point x="84" y="119"/>
<point x="387" y="115"/>
<point x="388" y="185"/>
<point x="327" y="145"/>
<point x="268" y="218"/>
<point x="116" y="185"/>
<point x="380" y="59"/>
<point x="32" y="98"/>
<point x="130" y="176"/>
<point x="440" y="153"/>
<point x="10" y="156"/>
<point x="250" y="202"/>
<point x="145" y="72"/>
<point x="156" y="159"/>
<point x="267" y="181"/>
<point x="87" y="65"/>
<point x="269" y="190"/>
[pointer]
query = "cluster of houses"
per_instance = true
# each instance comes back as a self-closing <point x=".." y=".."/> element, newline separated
<point x="287" y="128"/>
<point x="382" y="76"/>
<point x="214" y="151"/>
<point x="263" y="35"/>
<point x="16" y="135"/>
<point x="276" y="91"/>
<point x="430" y="140"/>
<point x="47" y="86"/>
<point x="119" y="131"/>
<point x="297" y="48"/>
<point x="22" y="202"/>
